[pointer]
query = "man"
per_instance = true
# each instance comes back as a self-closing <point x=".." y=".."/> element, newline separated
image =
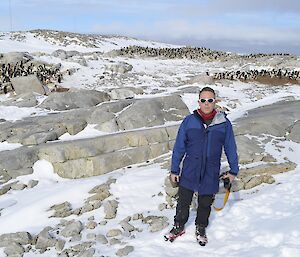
<point x="199" y="143"/>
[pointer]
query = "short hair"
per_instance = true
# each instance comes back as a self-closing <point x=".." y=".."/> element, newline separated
<point x="207" y="89"/>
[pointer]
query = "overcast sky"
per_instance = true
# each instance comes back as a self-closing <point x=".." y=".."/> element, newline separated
<point x="232" y="25"/>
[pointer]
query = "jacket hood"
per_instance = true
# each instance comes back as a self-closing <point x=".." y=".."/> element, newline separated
<point x="219" y="118"/>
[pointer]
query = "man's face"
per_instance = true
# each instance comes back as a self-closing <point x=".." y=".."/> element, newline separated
<point x="207" y="107"/>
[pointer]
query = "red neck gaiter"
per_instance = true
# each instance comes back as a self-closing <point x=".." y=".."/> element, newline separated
<point x="208" y="116"/>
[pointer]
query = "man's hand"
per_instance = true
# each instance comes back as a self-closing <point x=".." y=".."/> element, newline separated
<point x="175" y="178"/>
<point x="230" y="176"/>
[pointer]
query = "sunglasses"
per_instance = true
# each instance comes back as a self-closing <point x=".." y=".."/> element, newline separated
<point x="210" y="100"/>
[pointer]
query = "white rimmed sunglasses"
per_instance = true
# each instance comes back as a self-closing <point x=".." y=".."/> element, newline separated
<point x="210" y="100"/>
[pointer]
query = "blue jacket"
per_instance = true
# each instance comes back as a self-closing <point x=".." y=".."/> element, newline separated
<point x="200" y="147"/>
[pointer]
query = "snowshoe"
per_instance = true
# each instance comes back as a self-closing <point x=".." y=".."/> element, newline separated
<point x="175" y="232"/>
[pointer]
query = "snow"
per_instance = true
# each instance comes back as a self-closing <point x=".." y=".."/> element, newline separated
<point x="263" y="222"/>
<point x="13" y="113"/>
<point x="88" y="132"/>
<point x="9" y="146"/>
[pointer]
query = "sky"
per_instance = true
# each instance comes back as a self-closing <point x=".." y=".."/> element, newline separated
<point x="231" y="25"/>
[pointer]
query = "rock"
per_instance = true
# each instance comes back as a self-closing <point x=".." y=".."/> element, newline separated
<point x="114" y="241"/>
<point x="152" y="112"/>
<point x="87" y="253"/>
<point x="255" y="181"/>
<point x="60" y="53"/>
<point x="82" y="61"/>
<point x="22" y="238"/>
<point x="39" y="138"/>
<point x="90" y="207"/>
<point x="82" y="246"/>
<point x="91" y="236"/>
<point x="32" y="183"/>
<point x="23" y="158"/>
<point x="63" y="254"/>
<point x="110" y="209"/>
<point x="76" y="238"/>
<point x="114" y="232"/>
<point x="28" y="84"/>
<point x="74" y="127"/>
<point x="237" y="185"/>
<point x="19" y="186"/>
<point x="60" y="244"/>
<point x="106" y="121"/>
<point x="137" y="216"/>
<point x="22" y="100"/>
<point x="72" y="229"/>
<point x="268" y="179"/>
<point x="162" y="206"/>
<point x="91" y="218"/>
<point x="127" y="219"/>
<point x="125" y="251"/>
<point x="74" y="99"/>
<point x="103" y="222"/>
<point x="91" y="225"/>
<point x="20" y="172"/>
<point x="99" y="189"/>
<point x="14" y="57"/>
<point x="61" y="210"/>
<point x="156" y="223"/>
<point x="294" y="134"/>
<point x="99" y="196"/>
<point x="249" y="150"/>
<point x="121" y="93"/>
<point x="203" y="79"/>
<point x="14" y="249"/>
<point x="102" y="239"/>
<point x="4" y="189"/>
<point x="45" y="240"/>
<point x="120" y="68"/>
<point x="126" y="226"/>
<point x="261" y="120"/>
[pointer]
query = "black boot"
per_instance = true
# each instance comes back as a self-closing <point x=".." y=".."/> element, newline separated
<point x="175" y="232"/>
<point x="201" y="235"/>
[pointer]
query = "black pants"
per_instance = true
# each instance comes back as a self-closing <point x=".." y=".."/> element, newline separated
<point x="183" y="207"/>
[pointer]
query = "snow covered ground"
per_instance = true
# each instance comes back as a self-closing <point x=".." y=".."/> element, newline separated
<point x="263" y="222"/>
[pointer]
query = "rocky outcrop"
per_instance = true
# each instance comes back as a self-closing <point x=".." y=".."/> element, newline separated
<point x="152" y="112"/>
<point x="74" y="99"/>
<point x="277" y="119"/>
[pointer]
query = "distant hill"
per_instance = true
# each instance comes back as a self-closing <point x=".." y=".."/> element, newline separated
<point x="50" y="40"/>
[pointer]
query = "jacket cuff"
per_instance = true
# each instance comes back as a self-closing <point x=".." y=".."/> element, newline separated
<point x="175" y="172"/>
<point x="233" y="173"/>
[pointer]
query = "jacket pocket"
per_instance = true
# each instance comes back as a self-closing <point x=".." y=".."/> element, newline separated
<point x="191" y="166"/>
